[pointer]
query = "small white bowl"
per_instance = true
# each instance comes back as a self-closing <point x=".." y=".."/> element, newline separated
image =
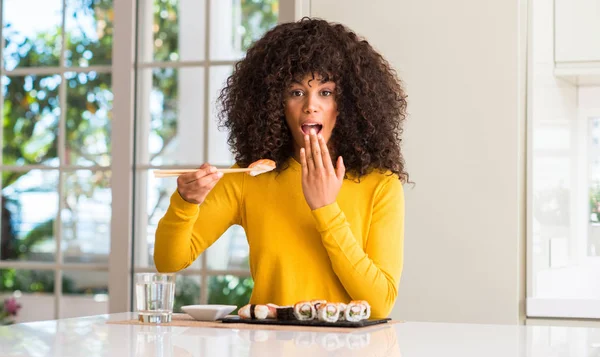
<point x="208" y="312"/>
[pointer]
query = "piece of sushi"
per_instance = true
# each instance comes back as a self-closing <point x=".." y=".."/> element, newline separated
<point x="251" y="311"/>
<point x="304" y="311"/>
<point x="360" y="307"/>
<point x="286" y="313"/>
<point x="354" y="312"/>
<point x="261" y="312"/>
<point x="244" y="312"/>
<point x="366" y="308"/>
<point x="261" y="166"/>
<point x="328" y="312"/>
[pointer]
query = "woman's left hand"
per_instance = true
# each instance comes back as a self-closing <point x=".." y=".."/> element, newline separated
<point x="321" y="182"/>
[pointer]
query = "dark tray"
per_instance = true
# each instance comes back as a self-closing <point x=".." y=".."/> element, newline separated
<point x="361" y="323"/>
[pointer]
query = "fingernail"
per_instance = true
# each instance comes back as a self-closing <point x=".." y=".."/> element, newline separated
<point x="213" y="169"/>
<point x="219" y="174"/>
<point x="312" y="131"/>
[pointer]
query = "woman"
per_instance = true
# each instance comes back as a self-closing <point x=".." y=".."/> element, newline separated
<point x="328" y="222"/>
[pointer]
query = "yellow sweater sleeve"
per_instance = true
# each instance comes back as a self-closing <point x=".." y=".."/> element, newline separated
<point x="187" y="230"/>
<point x="373" y="273"/>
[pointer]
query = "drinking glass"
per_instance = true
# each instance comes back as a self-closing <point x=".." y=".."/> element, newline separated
<point x="154" y="296"/>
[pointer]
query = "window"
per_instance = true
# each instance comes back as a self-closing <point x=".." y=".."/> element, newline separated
<point x="56" y="103"/>
<point x="65" y="237"/>
<point x="184" y="58"/>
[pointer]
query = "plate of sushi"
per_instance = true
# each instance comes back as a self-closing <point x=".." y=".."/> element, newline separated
<point x="308" y="313"/>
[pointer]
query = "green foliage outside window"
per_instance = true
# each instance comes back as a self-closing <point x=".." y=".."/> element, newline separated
<point x="187" y="292"/>
<point x="230" y="290"/>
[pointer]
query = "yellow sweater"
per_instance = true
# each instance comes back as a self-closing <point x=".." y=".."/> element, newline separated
<point x="349" y="250"/>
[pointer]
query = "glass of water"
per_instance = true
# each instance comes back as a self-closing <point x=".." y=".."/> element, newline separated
<point x="154" y="295"/>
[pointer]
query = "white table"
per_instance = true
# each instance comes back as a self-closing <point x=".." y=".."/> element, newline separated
<point x="91" y="336"/>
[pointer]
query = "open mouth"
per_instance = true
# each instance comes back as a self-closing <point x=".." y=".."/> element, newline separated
<point x="306" y="128"/>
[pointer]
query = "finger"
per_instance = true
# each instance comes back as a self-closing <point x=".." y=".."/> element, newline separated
<point x="340" y="168"/>
<point x="316" y="154"/>
<point x="192" y="179"/>
<point x="200" y="173"/>
<point x="310" y="164"/>
<point x="196" y="191"/>
<point x="185" y="179"/>
<point x="207" y="180"/>
<point x="327" y="164"/>
<point x="204" y="167"/>
<point x="303" y="162"/>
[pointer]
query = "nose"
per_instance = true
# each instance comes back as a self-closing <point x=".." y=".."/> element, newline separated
<point x="310" y="104"/>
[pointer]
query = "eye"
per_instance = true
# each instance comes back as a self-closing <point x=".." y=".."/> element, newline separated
<point x="296" y="93"/>
<point x="326" y="93"/>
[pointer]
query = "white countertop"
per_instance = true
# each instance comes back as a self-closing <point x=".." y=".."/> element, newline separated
<point x="91" y="336"/>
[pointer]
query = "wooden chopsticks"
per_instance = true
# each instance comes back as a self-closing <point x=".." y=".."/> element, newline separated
<point x="177" y="172"/>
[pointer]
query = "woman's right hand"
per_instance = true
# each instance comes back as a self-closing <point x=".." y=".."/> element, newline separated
<point x="195" y="186"/>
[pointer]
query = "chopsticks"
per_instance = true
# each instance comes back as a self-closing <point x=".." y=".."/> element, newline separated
<point x="171" y="173"/>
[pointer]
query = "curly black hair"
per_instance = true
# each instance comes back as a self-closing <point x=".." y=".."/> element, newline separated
<point x="370" y="99"/>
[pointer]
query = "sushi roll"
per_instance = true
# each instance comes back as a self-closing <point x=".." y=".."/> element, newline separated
<point x="366" y="309"/>
<point x="304" y="311"/>
<point x="354" y="312"/>
<point x="328" y="312"/>
<point x="357" y="307"/>
<point x="286" y="313"/>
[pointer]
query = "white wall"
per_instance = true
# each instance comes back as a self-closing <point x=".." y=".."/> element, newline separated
<point x="589" y="98"/>
<point x="464" y="147"/>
